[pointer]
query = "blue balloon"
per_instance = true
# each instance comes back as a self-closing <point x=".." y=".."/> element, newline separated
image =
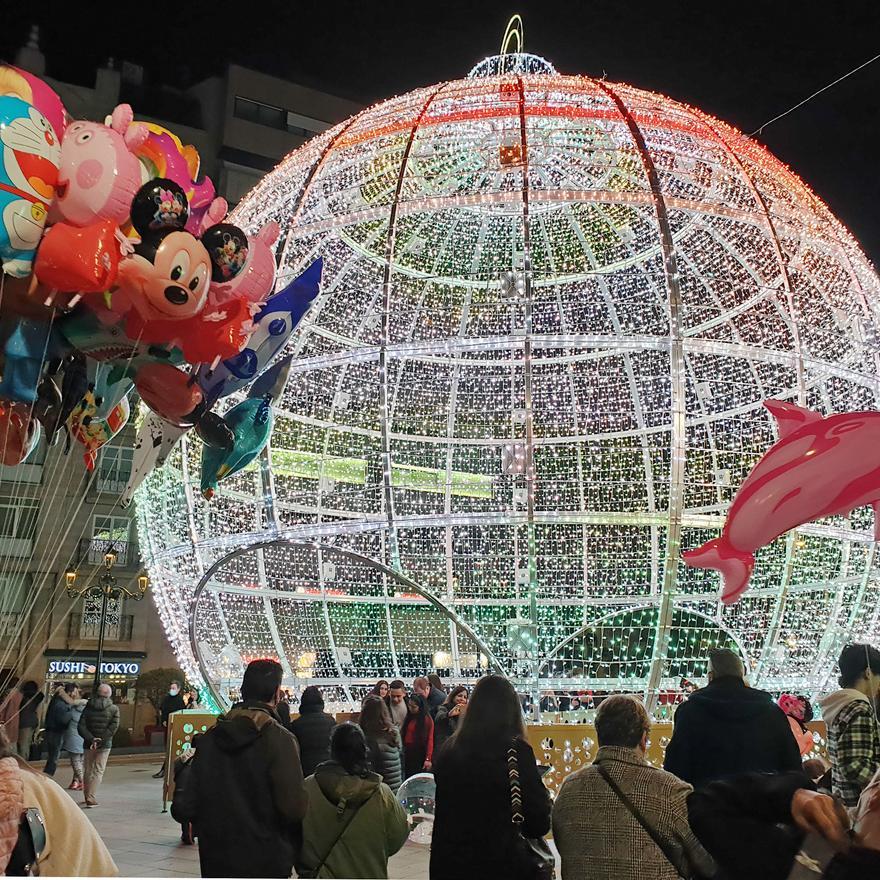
<point x="273" y="325"/>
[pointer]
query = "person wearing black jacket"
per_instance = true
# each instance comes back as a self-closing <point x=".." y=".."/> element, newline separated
<point x="244" y="791"/>
<point x="172" y="702"/>
<point x="58" y="715"/>
<point x="312" y="730"/>
<point x="728" y="728"/>
<point x="775" y="827"/>
<point x="473" y="833"/>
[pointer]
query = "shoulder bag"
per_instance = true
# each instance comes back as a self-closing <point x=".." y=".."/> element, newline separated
<point x="317" y="869"/>
<point x="649" y="829"/>
<point x="24" y="861"/>
<point x="532" y="853"/>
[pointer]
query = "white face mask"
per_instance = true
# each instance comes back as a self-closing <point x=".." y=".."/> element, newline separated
<point x="173" y="691"/>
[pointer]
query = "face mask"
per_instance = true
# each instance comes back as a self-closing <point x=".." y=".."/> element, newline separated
<point x="173" y="691"/>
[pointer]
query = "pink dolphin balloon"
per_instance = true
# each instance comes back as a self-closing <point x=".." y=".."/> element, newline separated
<point x="819" y="467"/>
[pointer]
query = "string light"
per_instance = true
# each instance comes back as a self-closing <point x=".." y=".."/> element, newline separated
<point x="777" y="300"/>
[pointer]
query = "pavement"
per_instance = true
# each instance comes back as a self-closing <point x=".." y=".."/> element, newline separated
<point x="145" y="842"/>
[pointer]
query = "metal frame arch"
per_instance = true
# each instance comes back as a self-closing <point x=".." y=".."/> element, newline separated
<point x="319" y="547"/>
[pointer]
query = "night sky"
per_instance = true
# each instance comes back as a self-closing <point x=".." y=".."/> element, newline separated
<point x="741" y="61"/>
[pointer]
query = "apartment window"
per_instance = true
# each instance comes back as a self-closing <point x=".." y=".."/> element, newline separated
<point x="18" y="525"/>
<point x="262" y="114"/>
<point x="110" y="531"/>
<point x="114" y="468"/>
<point x="13" y="589"/>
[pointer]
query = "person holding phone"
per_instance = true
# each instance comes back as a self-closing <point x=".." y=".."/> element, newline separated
<point x="450" y="715"/>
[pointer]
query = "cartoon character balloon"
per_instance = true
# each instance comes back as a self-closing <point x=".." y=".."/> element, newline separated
<point x="819" y="467"/>
<point x="28" y="174"/>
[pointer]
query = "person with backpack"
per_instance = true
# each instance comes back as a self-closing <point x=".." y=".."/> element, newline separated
<point x="58" y="715"/>
<point x="243" y="791"/>
<point x="354" y="822"/>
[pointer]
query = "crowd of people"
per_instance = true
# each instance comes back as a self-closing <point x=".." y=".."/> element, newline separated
<point x="740" y="794"/>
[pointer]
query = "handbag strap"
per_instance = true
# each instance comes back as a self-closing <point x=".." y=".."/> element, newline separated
<point x="649" y="829"/>
<point x="342" y="831"/>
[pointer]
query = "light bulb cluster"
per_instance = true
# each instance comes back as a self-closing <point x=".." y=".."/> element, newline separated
<point x="776" y="301"/>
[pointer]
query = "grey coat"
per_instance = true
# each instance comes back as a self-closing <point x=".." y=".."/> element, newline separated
<point x="72" y="742"/>
<point x="386" y="758"/>
<point x="100" y="720"/>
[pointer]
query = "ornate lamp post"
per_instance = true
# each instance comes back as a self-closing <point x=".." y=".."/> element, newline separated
<point x="107" y="588"/>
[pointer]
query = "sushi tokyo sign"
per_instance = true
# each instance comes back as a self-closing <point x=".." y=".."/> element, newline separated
<point x="108" y="667"/>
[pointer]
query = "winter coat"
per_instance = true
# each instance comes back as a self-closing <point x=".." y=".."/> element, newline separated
<point x="597" y="836"/>
<point x="28" y="713"/>
<point x="746" y="826"/>
<point x="444" y="726"/>
<point x="804" y="738"/>
<point x="11" y="807"/>
<point x="99" y="720"/>
<point x="727" y="728"/>
<point x="418" y="745"/>
<point x="73" y="742"/>
<point x="170" y="703"/>
<point x="377" y="825"/>
<point x="246" y="795"/>
<point x="853" y="742"/>
<point x="73" y="846"/>
<point x="59" y="712"/>
<point x="473" y="836"/>
<point x="312" y="731"/>
<point x="435" y="699"/>
<point x="386" y="757"/>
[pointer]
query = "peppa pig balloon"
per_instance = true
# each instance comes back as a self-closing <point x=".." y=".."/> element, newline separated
<point x="99" y="173"/>
<point x="28" y="174"/>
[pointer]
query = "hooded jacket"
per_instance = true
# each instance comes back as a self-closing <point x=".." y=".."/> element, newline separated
<point x="99" y="720"/>
<point x="73" y="742"/>
<point x="727" y="728"/>
<point x="247" y="795"/>
<point x="312" y="731"/>
<point x="853" y="742"/>
<point x="59" y="712"/>
<point x="376" y="829"/>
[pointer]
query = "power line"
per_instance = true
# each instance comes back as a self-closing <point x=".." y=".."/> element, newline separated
<point x="810" y="98"/>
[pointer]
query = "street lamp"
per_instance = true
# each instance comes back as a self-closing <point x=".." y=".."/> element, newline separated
<point x="107" y="588"/>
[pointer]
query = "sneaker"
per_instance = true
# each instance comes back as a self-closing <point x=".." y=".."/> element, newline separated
<point x="91" y="802"/>
<point x="76" y="785"/>
<point x="159" y="775"/>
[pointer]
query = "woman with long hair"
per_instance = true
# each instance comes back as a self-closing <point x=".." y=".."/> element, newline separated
<point x="383" y="741"/>
<point x="354" y="821"/>
<point x="450" y="715"/>
<point x="380" y="689"/>
<point x="474" y="835"/>
<point x="417" y="732"/>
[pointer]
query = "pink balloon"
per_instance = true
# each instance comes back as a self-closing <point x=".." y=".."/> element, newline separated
<point x="167" y="391"/>
<point x="99" y="173"/>
<point x="819" y="467"/>
<point x="257" y="278"/>
<point x="41" y="96"/>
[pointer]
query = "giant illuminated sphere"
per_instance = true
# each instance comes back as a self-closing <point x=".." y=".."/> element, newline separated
<point x="551" y="309"/>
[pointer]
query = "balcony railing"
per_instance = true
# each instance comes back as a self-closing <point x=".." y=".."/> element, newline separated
<point x="92" y="550"/>
<point x="118" y="631"/>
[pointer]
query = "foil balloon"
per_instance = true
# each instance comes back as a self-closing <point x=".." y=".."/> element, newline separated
<point x="155" y="440"/>
<point x="168" y="391"/>
<point x="93" y="432"/>
<point x="28" y="175"/>
<point x="250" y="278"/>
<point x="251" y="424"/>
<point x="32" y="90"/>
<point x="109" y="381"/>
<point x="162" y="154"/>
<point x="54" y="406"/>
<point x="99" y="173"/>
<point x="28" y="345"/>
<point x="19" y="433"/>
<point x="84" y="259"/>
<point x="819" y="467"/>
<point x="273" y="325"/>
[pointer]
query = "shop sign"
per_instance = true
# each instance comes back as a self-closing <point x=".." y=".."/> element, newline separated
<point x="108" y="667"/>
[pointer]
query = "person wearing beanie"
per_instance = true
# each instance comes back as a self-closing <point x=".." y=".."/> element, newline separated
<point x="312" y="730"/>
<point x="798" y="711"/>
<point x="850" y="715"/>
